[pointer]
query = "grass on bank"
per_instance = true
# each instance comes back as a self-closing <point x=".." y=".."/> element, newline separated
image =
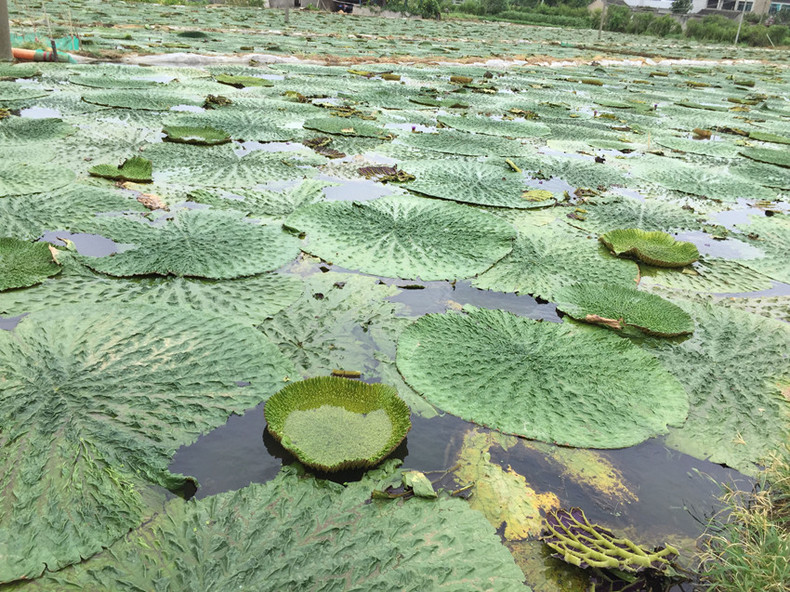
<point x="749" y="549"/>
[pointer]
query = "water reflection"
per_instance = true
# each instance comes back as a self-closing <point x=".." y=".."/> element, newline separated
<point x="92" y="245"/>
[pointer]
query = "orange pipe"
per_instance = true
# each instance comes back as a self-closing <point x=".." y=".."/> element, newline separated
<point x="39" y="55"/>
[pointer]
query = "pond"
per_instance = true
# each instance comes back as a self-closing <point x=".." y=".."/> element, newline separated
<point x="437" y="236"/>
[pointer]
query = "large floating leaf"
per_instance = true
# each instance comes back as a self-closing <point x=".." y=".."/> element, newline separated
<point x="778" y="157"/>
<point x="93" y="404"/>
<point x="72" y="208"/>
<point x="470" y="182"/>
<point x="242" y="81"/>
<point x="219" y="166"/>
<point x="533" y="379"/>
<point x="343" y="126"/>
<point x="12" y="93"/>
<point x="24" y="264"/>
<point x="23" y="178"/>
<point x="494" y="127"/>
<point x="269" y="206"/>
<point x="251" y="299"/>
<point x="301" y="533"/>
<point x="707" y="147"/>
<point x="405" y="236"/>
<point x="733" y="367"/>
<point x="194" y="243"/>
<point x="773" y="237"/>
<point x="626" y="212"/>
<point x="331" y="423"/>
<point x="202" y="136"/>
<point x="147" y="100"/>
<point x="21" y="130"/>
<point x="617" y="307"/>
<point x="243" y="124"/>
<point x="464" y="144"/>
<point x="705" y="276"/>
<point x="136" y="169"/>
<point x="765" y="174"/>
<point x="654" y="247"/>
<point x="544" y="259"/>
<point x="712" y="183"/>
<point x="579" y="173"/>
<point x="345" y="322"/>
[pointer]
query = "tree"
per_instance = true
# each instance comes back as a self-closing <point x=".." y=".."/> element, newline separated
<point x="681" y="6"/>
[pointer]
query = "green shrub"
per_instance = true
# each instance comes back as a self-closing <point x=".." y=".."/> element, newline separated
<point x="663" y="26"/>
<point x="470" y="7"/>
<point x="429" y="9"/>
<point x="617" y="18"/>
<point x="538" y="18"/>
<point x="494" y="6"/>
<point x="640" y="22"/>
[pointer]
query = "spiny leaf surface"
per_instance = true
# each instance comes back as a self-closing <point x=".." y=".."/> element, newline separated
<point x="558" y="383"/>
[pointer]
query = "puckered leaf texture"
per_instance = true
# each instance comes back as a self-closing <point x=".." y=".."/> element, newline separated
<point x="93" y="405"/>
<point x="195" y="243"/>
<point x="734" y="368"/>
<point x="559" y="383"/>
<point x="24" y="264"/>
<point x="301" y="533"/>
<point x="405" y="236"/>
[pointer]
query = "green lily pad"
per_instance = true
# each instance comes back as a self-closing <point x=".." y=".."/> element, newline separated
<point x="253" y="538"/>
<point x="346" y="126"/>
<point x="70" y="208"/>
<point x="332" y="423"/>
<point x="194" y="243"/>
<point x="136" y="169"/>
<point x="21" y="130"/>
<point x="654" y="247"/>
<point x="778" y="157"/>
<point x="25" y="264"/>
<point x="145" y="100"/>
<point x="24" y="179"/>
<point x="249" y="299"/>
<point x="768" y="137"/>
<point x="494" y="127"/>
<point x="464" y="144"/>
<point x="405" y="236"/>
<point x="736" y="370"/>
<point x="710" y="182"/>
<point x="773" y="237"/>
<point x="545" y="259"/>
<point x="242" y="81"/>
<point x="531" y="379"/>
<point x="470" y="181"/>
<point x="617" y="308"/>
<point x="94" y="403"/>
<point x="204" y="136"/>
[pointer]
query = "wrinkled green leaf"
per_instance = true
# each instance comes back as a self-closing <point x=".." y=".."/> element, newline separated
<point x="617" y="308"/>
<point x="733" y="368"/>
<point x="275" y="536"/>
<point x="532" y="379"/>
<point x="194" y="243"/>
<point x="405" y="236"/>
<point x="93" y="404"/>
<point x="544" y="259"/>
<point x="25" y="264"/>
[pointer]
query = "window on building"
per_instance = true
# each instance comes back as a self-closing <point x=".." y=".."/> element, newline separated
<point x="747" y="8"/>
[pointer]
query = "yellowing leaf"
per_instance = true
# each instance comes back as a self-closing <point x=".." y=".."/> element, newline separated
<point x="502" y="495"/>
<point x="537" y="195"/>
